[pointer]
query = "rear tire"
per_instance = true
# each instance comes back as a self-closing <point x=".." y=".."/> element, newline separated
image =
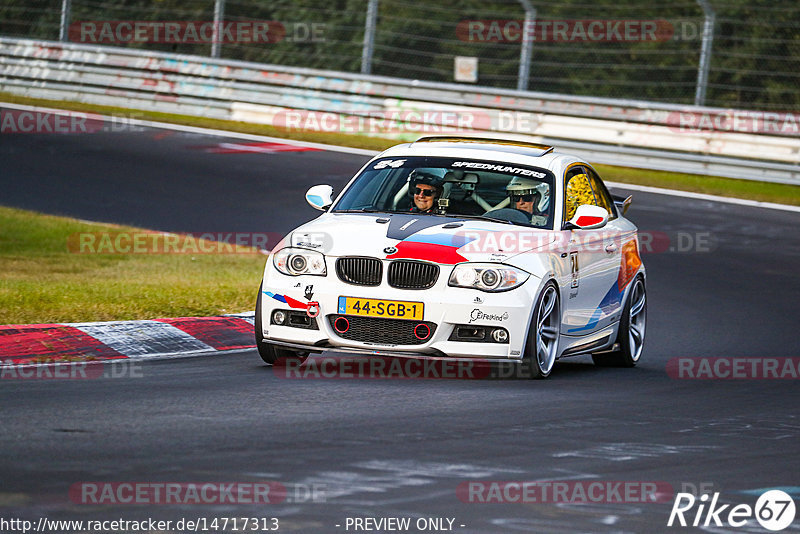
<point x="270" y="353"/>
<point x="631" y="330"/>
<point x="541" y="347"/>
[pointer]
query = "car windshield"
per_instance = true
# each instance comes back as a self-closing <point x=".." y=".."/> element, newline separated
<point x="452" y="187"/>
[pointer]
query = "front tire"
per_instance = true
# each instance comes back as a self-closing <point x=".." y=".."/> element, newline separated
<point x="269" y="352"/>
<point x="541" y="347"/>
<point x="631" y="330"/>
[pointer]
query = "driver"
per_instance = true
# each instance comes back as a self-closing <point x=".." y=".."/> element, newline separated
<point x="425" y="189"/>
<point x="526" y="197"/>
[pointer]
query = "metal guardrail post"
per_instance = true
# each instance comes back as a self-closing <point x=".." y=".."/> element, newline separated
<point x="705" y="52"/>
<point x="369" y="37"/>
<point x="63" y="30"/>
<point x="219" y="14"/>
<point x="528" y="34"/>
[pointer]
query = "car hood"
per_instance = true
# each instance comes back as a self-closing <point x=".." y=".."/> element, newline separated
<point x="442" y="240"/>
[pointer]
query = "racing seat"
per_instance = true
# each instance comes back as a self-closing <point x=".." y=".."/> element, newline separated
<point x="578" y="193"/>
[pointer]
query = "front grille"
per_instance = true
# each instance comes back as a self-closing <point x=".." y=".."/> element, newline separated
<point x="359" y="271"/>
<point x="382" y="331"/>
<point x="404" y="274"/>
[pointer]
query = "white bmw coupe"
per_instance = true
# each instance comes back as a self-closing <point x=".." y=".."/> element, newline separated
<point x="464" y="248"/>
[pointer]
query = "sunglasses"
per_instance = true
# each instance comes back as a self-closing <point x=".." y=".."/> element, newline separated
<point x="522" y="198"/>
<point x="424" y="192"/>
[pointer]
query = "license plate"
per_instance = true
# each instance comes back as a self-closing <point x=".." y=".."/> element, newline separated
<point x="393" y="309"/>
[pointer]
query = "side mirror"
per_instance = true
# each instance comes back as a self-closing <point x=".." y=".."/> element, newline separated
<point x="622" y="203"/>
<point x="588" y="217"/>
<point x="319" y="197"/>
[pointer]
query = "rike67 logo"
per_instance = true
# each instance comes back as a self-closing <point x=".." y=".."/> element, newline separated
<point x="774" y="510"/>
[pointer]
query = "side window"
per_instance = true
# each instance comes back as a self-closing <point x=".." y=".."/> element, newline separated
<point x="376" y="189"/>
<point x="366" y="192"/>
<point x="601" y="194"/>
<point x="577" y="191"/>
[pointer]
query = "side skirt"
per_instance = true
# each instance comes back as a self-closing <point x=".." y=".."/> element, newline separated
<point x="595" y="342"/>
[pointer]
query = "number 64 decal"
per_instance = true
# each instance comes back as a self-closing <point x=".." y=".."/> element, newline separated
<point x="573" y="260"/>
<point x="393" y="163"/>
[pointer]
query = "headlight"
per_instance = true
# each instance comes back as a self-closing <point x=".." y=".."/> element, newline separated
<point x="487" y="276"/>
<point x="297" y="261"/>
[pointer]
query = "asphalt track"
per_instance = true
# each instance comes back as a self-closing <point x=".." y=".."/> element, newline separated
<point x="398" y="447"/>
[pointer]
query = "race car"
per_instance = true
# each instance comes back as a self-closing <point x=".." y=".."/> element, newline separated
<point x="460" y="248"/>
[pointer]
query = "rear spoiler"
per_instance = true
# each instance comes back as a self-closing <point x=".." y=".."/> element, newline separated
<point x="622" y="203"/>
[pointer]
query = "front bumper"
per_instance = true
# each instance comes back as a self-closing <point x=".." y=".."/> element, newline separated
<point x="444" y="306"/>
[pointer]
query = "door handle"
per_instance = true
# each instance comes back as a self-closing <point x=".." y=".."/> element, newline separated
<point x="611" y="248"/>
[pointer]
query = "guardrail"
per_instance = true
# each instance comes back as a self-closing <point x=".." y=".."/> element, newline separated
<point x="632" y="133"/>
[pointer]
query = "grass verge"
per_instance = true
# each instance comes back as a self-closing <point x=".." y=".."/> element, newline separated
<point x="712" y="185"/>
<point x="43" y="281"/>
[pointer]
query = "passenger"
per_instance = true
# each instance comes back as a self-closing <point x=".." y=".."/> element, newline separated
<point x="526" y="197"/>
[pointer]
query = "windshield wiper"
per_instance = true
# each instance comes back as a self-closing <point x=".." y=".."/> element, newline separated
<point x="360" y="210"/>
<point x="369" y="210"/>
<point x="477" y="217"/>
